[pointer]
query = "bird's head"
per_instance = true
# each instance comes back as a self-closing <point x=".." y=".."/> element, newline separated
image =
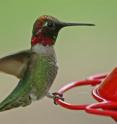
<point x="46" y="28"/>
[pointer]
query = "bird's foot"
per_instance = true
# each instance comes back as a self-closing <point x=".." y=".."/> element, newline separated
<point x="55" y="96"/>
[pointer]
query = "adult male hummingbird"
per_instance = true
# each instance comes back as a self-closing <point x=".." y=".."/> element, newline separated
<point x="36" y="67"/>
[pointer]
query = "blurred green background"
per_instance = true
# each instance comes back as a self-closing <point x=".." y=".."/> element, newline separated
<point x="81" y="51"/>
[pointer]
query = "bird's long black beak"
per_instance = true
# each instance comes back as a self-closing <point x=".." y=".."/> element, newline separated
<point x="65" y="24"/>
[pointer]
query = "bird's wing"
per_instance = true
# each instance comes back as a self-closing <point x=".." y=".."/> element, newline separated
<point x="15" y="64"/>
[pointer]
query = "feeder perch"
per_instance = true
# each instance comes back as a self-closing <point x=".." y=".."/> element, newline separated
<point x="105" y="92"/>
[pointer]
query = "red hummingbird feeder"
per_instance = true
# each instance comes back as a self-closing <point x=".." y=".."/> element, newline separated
<point x="105" y="92"/>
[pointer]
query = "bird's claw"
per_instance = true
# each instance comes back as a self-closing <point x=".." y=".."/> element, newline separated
<point x="55" y="96"/>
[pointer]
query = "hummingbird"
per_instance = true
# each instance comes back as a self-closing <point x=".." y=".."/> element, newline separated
<point x="36" y="68"/>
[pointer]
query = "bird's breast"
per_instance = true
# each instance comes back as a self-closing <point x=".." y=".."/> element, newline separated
<point x="43" y="70"/>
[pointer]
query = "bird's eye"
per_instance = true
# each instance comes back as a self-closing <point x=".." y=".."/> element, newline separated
<point x="50" y="24"/>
